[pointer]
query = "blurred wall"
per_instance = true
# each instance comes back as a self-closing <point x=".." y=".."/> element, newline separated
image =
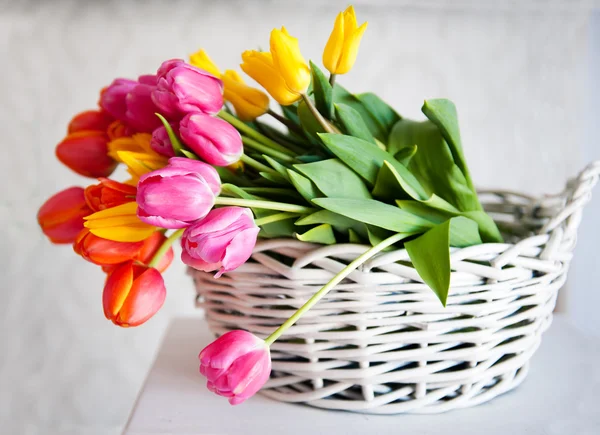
<point x="516" y="71"/>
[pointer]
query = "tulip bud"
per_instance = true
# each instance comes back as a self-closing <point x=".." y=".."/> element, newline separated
<point x="161" y="143"/>
<point x="85" y="152"/>
<point x="342" y="47"/>
<point x="216" y="141"/>
<point x="61" y="216"/>
<point x="132" y="294"/>
<point x="104" y="252"/>
<point x="108" y="194"/>
<point x="236" y="365"/>
<point x="183" y="88"/>
<point x="113" y="98"/>
<point x="222" y="241"/>
<point x="283" y="72"/>
<point x="178" y="194"/>
<point x="90" y="120"/>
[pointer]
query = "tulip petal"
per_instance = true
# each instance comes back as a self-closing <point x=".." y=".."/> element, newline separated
<point x="116" y="289"/>
<point x="335" y="45"/>
<point x="145" y="298"/>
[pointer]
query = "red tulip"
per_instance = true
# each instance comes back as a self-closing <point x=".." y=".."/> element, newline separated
<point x="109" y="194"/>
<point x="86" y="153"/>
<point x="61" y="216"/>
<point x="97" y="120"/>
<point x="105" y="252"/>
<point x="132" y="294"/>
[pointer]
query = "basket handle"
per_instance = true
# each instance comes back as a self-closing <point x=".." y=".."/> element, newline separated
<point x="577" y="194"/>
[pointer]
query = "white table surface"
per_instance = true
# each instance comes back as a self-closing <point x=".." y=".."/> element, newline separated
<point x="561" y="396"/>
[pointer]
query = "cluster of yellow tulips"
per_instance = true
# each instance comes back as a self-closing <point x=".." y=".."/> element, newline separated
<point x="282" y="70"/>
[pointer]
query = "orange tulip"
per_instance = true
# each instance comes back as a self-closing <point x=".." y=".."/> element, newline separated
<point x="132" y="294"/>
<point x="97" y="120"/>
<point x="61" y="216"/>
<point x="105" y="252"/>
<point x="108" y="194"/>
<point x="86" y="152"/>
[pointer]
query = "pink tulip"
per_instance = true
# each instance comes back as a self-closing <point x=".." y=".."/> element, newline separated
<point x="178" y="194"/>
<point x="161" y="142"/>
<point x="112" y="99"/>
<point x="141" y="110"/>
<point x="236" y="365"/>
<point x="222" y="241"/>
<point x="213" y="139"/>
<point x="183" y="88"/>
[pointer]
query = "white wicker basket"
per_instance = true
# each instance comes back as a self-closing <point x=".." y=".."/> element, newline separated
<point x="381" y="342"/>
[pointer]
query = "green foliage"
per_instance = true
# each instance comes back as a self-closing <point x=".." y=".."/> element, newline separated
<point x="322" y="92"/>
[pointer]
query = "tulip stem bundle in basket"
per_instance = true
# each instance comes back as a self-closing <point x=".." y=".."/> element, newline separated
<point x="340" y="251"/>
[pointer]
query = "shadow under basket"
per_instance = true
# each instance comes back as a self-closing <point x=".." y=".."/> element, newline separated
<point x="381" y="342"/>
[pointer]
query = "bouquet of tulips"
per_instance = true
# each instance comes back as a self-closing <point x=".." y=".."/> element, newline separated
<point x="329" y="167"/>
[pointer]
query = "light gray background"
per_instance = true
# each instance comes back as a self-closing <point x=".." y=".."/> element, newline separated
<point x="520" y="73"/>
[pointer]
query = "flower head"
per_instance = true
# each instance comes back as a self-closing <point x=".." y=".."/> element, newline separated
<point x="61" y="216"/>
<point x="86" y="153"/>
<point x="342" y="47"/>
<point x="216" y="141"/>
<point x="236" y="365"/>
<point x="221" y="242"/>
<point x="132" y="294"/>
<point x="179" y="194"/>
<point x="283" y="72"/>
<point x="119" y="223"/>
<point x="108" y="193"/>
<point x="183" y="88"/>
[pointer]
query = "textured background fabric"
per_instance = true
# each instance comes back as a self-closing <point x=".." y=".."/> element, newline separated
<point x="516" y="71"/>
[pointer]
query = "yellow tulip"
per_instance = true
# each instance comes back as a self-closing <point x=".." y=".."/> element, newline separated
<point x="283" y="72"/>
<point x="249" y="103"/>
<point x="201" y="60"/>
<point x="135" y="152"/>
<point x="119" y="223"/>
<point x="342" y="47"/>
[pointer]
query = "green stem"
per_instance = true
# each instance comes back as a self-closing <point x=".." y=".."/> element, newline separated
<point x="250" y="132"/>
<point x="257" y="165"/>
<point x="289" y="124"/>
<point x="274" y="218"/>
<point x="326" y="125"/>
<point x="267" y="205"/>
<point x="332" y="79"/>
<point x="266" y="150"/>
<point x="165" y="247"/>
<point x="331" y="284"/>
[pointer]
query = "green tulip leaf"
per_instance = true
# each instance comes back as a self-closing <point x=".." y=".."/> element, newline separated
<point x="310" y="124"/>
<point x="405" y="154"/>
<point x="322" y="91"/>
<point x="430" y="255"/>
<point x="352" y="123"/>
<point x="377" y="128"/>
<point x="322" y="234"/>
<point x="375" y="213"/>
<point x="385" y="115"/>
<point x="366" y="160"/>
<point x="304" y="186"/>
<point x="335" y="179"/>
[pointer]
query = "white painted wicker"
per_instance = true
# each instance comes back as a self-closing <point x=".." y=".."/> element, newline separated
<point x="381" y="342"/>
